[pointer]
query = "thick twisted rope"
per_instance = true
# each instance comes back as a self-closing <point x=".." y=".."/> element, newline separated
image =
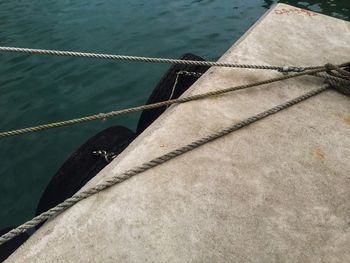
<point x="116" y="179"/>
<point x="151" y="106"/>
<point x="340" y="84"/>
<point x="151" y="59"/>
<point x="340" y="79"/>
<point x="341" y="72"/>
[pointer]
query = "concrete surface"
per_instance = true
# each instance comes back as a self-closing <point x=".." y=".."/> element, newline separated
<point x="277" y="191"/>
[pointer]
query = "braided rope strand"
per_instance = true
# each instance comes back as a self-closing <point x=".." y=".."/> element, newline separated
<point x="151" y="106"/>
<point x="151" y="59"/>
<point x="116" y="179"/>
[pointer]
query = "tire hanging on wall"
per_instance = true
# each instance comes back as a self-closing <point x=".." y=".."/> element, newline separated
<point x="164" y="88"/>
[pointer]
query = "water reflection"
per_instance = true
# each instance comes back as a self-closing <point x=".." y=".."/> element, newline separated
<point x="339" y="9"/>
<point x="267" y="3"/>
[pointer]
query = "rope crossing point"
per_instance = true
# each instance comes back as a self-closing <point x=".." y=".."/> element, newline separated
<point x="339" y="78"/>
<point x="116" y="179"/>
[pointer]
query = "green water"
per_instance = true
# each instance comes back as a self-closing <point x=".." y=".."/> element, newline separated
<point x="41" y="89"/>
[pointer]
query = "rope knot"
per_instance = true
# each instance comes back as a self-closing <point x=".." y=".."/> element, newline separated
<point x="339" y="79"/>
<point x="329" y="67"/>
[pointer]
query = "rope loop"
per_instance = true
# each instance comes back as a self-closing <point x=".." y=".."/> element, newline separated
<point x="329" y="67"/>
<point x="338" y="78"/>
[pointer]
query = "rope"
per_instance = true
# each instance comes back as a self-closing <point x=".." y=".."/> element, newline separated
<point x="190" y="73"/>
<point x="340" y="80"/>
<point x="174" y="86"/>
<point x="335" y="79"/>
<point x="154" y="60"/>
<point x="342" y="72"/>
<point x="182" y="72"/>
<point x="151" y="106"/>
<point x="116" y="179"/>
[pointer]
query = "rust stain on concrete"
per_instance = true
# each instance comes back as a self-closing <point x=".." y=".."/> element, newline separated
<point x="318" y="153"/>
<point x="346" y="119"/>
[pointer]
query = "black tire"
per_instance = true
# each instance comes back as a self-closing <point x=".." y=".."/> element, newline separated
<point x="83" y="165"/>
<point x="164" y="87"/>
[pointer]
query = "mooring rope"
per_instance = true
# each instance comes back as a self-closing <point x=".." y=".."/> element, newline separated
<point x="116" y="179"/>
<point x="154" y="60"/>
<point x="339" y="81"/>
<point x="154" y="105"/>
<point x="182" y="73"/>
